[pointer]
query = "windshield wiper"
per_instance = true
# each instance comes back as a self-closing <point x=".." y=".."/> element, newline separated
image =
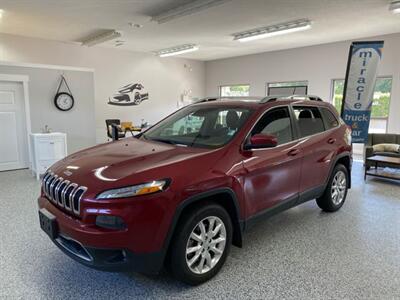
<point x="166" y="141"/>
<point x="163" y="141"/>
<point x="199" y="136"/>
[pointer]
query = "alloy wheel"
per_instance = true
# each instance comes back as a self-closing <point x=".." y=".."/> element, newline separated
<point x="338" y="188"/>
<point x="206" y="245"/>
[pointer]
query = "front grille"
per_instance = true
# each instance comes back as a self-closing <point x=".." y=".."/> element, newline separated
<point x="63" y="193"/>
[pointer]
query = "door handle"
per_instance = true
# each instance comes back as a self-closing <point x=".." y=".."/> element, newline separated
<point x="331" y="141"/>
<point x="293" y="152"/>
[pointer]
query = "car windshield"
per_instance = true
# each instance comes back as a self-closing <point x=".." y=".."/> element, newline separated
<point x="196" y="126"/>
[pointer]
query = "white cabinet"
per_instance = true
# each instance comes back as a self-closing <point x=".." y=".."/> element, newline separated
<point x="47" y="148"/>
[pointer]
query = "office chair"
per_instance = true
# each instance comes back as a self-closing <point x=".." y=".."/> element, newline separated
<point x="109" y="125"/>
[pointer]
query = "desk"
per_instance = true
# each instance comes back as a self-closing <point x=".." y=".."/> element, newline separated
<point x="131" y="128"/>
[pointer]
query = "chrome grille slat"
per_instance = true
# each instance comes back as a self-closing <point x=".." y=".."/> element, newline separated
<point x="56" y="190"/>
<point x="62" y="192"/>
<point x="65" y="197"/>
<point x="76" y="199"/>
<point x="51" y="186"/>
<point x="48" y="182"/>
<point x="68" y="198"/>
<point x="45" y="177"/>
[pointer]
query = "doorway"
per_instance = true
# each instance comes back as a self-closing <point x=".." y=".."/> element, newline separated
<point x="14" y="151"/>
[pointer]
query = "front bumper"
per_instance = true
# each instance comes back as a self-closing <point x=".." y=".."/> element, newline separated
<point x="110" y="259"/>
<point x="139" y="247"/>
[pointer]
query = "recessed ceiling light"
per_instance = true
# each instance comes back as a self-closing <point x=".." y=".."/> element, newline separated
<point x="395" y="7"/>
<point x="273" y="30"/>
<point x="135" y="25"/>
<point x="177" y="50"/>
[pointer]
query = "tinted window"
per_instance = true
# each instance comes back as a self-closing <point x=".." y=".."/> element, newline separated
<point x="329" y="118"/>
<point x="309" y="120"/>
<point x="276" y="122"/>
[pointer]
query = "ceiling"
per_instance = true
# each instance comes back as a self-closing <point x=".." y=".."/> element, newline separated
<point x="211" y="29"/>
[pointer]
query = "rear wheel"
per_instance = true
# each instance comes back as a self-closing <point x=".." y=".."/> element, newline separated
<point x="201" y="244"/>
<point x="336" y="190"/>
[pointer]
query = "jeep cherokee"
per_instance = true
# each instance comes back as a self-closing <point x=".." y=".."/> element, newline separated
<point x="180" y="193"/>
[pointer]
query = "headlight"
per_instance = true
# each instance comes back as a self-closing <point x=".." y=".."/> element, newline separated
<point x="135" y="190"/>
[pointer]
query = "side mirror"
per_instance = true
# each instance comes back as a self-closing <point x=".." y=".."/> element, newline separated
<point x="259" y="141"/>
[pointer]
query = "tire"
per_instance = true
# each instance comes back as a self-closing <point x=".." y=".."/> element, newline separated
<point x="336" y="191"/>
<point x="138" y="98"/>
<point x="206" y="252"/>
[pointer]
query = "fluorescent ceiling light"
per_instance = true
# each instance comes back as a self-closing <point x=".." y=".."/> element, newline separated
<point x="186" y="9"/>
<point x="177" y="50"/>
<point x="102" y="37"/>
<point x="273" y="30"/>
<point x="395" y="7"/>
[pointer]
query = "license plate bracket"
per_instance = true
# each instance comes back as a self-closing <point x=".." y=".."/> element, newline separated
<point x="48" y="223"/>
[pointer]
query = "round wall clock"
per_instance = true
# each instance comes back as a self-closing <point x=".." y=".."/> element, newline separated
<point x="64" y="101"/>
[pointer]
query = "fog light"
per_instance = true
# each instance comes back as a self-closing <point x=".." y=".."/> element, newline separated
<point x="110" y="222"/>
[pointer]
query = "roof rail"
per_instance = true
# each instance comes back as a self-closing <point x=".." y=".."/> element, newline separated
<point x="271" y="98"/>
<point x="207" y="99"/>
<point x="286" y="97"/>
<point x="306" y="97"/>
<point x="263" y="100"/>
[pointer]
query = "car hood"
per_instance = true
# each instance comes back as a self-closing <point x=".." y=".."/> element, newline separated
<point x="130" y="161"/>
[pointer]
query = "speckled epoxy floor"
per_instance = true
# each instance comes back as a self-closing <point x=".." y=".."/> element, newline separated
<point x="301" y="254"/>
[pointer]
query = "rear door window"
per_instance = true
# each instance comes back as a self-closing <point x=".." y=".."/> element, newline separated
<point x="309" y="120"/>
<point x="329" y="118"/>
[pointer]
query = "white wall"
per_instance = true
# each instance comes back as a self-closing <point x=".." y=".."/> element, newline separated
<point x="42" y="85"/>
<point x="163" y="78"/>
<point x="317" y="64"/>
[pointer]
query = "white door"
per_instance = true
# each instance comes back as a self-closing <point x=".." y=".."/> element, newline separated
<point x="13" y="135"/>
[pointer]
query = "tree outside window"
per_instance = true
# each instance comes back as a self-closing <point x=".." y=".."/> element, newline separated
<point x="237" y="90"/>
<point x="287" y="88"/>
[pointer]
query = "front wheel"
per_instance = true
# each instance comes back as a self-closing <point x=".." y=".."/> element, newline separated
<point x="336" y="190"/>
<point x="201" y="244"/>
<point x="138" y="99"/>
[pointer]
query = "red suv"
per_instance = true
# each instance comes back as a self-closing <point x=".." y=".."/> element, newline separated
<point x="183" y="191"/>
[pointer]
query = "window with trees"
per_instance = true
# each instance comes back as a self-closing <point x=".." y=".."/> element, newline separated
<point x="287" y="88"/>
<point x="237" y="90"/>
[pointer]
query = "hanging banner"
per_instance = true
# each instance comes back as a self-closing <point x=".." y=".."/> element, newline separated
<point x="364" y="58"/>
